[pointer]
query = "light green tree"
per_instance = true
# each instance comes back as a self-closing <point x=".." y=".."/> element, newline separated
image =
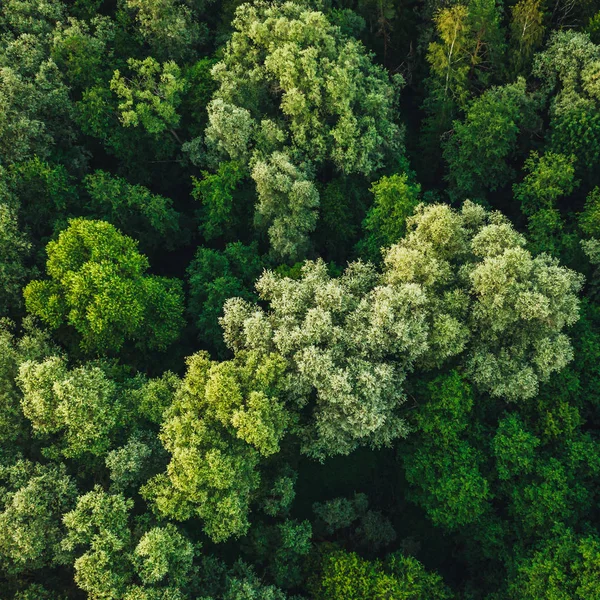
<point x="460" y="284"/>
<point x="98" y="286"/>
<point x="83" y="404"/>
<point x="150" y="95"/>
<point x="347" y="576"/>
<point x="33" y="498"/>
<point x="296" y="95"/>
<point x="224" y="418"/>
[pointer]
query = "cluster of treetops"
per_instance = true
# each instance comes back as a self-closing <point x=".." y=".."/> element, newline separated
<point x="300" y="300"/>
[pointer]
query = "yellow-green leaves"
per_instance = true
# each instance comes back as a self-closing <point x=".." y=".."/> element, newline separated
<point x="224" y="418"/>
<point x="150" y="96"/>
<point x="82" y="404"/>
<point x="296" y="96"/>
<point x="98" y="286"/>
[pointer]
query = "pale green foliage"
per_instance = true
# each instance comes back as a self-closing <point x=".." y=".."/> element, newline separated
<point x="346" y="341"/>
<point x="460" y="283"/>
<point x="82" y="404"/>
<point x="295" y="91"/>
<point x="243" y="584"/>
<point x="163" y="552"/>
<point x="109" y="559"/>
<point x="229" y="130"/>
<point x="30" y="517"/>
<point x="287" y="203"/>
<point x="151" y="96"/>
<point x="99" y="287"/>
<point x="513" y="305"/>
<point x="320" y="75"/>
<point x="98" y="526"/>
<point x="224" y="417"/>
<point x="33" y="344"/>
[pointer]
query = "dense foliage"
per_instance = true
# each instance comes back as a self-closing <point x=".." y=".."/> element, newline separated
<point x="299" y="300"/>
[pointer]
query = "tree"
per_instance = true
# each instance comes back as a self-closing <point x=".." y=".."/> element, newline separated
<point x="98" y="532"/>
<point x="346" y="575"/>
<point x="218" y="213"/>
<point x="80" y="49"/>
<point x="460" y="284"/>
<point x="444" y="469"/>
<point x="464" y="55"/>
<point x="480" y="150"/>
<point x="214" y="468"/>
<point x="14" y="250"/>
<point x="162" y="553"/>
<point x="566" y="566"/>
<point x="98" y="287"/>
<point x="132" y="464"/>
<point x="32" y="501"/>
<point x="31" y="343"/>
<point x="333" y="107"/>
<point x="526" y="32"/>
<point x="46" y="195"/>
<point x="395" y="198"/>
<point x="548" y="178"/>
<point x="150" y="96"/>
<point x="35" y="114"/>
<point x="288" y="200"/>
<point x="134" y="209"/>
<point x="171" y="28"/>
<point x="567" y="69"/>
<point x="345" y="341"/>
<point x="82" y="403"/>
<point x="283" y="548"/>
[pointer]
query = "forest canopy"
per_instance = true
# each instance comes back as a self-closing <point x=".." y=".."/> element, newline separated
<point x="299" y="299"/>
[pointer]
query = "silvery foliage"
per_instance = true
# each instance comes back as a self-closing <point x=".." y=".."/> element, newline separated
<point x="460" y="285"/>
